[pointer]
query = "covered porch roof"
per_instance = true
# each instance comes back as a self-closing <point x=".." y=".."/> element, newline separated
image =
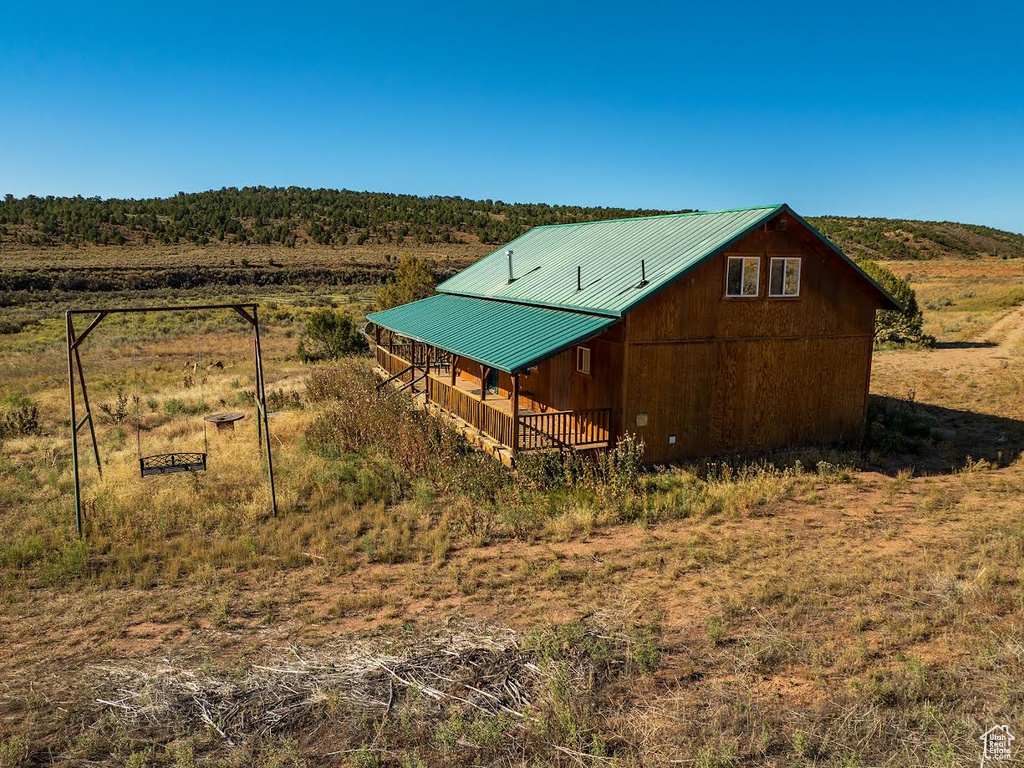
<point x="500" y="334"/>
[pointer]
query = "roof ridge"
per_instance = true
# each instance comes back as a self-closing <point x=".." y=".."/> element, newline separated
<point x="773" y="206"/>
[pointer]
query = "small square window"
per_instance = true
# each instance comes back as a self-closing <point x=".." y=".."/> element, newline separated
<point x="583" y="360"/>
<point x="743" y="277"/>
<point x="784" y="278"/>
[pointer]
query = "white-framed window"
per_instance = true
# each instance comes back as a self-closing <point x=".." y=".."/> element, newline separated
<point x="743" y="277"/>
<point x="583" y="360"/>
<point x="784" y="276"/>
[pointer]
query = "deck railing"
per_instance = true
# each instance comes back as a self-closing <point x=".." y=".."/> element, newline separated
<point x="588" y="428"/>
<point x="393" y="364"/>
<point x="565" y="429"/>
<point x="488" y="419"/>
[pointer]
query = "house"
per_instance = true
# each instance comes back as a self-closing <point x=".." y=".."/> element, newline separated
<point x="700" y="333"/>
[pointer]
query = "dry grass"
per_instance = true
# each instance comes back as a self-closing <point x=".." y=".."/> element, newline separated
<point x="17" y="256"/>
<point x="734" y="614"/>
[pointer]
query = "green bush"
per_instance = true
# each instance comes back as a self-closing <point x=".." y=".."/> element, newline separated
<point x="896" y="427"/>
<point x="613" y="475"/>
<point x="330" y="336"/>
<point x="19" y="417"/>
<point x="900" y="327"/>
<point x="414" y="280"/>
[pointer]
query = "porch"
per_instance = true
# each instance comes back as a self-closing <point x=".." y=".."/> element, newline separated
<point x="515" y="423"/>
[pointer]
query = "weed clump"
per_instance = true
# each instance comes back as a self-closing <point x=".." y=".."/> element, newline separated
<point x="359" y="417"/>
<point x="19" y="417"/>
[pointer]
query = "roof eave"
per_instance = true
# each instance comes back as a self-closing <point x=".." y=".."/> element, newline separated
<point x="509" y="369"/>
<point x="421" y="340"/>
<point x="523" y="368"/>
<point x="888" y="297"/>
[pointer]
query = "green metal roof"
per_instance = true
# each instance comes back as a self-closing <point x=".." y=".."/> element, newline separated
<point x="502" y="335"/>
<point x="608" y="255"/>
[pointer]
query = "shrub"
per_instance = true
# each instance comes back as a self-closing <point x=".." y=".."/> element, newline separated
<point x="414" y="279"/>
<point x="116" y="413"/>
<point x="20" y="418"/>
<point x="15" y="326"/>
<point x="330" y="336"/>
<point x="899" y="327"/>
<point x="361" y="418"/>
<point x="896" y="427"/>
<point x="614" y="474"/>
<point x="176" y="406"/>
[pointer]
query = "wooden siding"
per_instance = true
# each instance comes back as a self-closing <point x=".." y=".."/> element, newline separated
<point x="740" y="395"/>
<point x="556" y="385"/>
<point x="733" y="374"/>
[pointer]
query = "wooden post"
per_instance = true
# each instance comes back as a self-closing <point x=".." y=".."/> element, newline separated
<point x="426" y="380"/>
<point x="376" y="335"/>
<point x="515" y="414"/>
<point x="483" y="381"/>
<point x="453" y="358"/>
<point x="412" y="362"/>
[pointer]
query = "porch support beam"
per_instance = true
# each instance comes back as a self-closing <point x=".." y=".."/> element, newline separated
<point x="483" y="382"/>
<point x="426" y="374"/>
<point x="515" y="414"/>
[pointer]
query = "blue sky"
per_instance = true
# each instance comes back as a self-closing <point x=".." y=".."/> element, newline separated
<point x="888" y="109"/>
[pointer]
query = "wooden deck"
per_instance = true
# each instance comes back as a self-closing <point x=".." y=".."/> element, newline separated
<point x="493" y="416"/>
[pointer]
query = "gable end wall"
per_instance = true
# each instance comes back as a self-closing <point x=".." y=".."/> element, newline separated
<point x="726" y="375"/>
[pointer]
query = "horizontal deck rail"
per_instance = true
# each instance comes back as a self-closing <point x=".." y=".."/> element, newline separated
<point x="590" y="428"/>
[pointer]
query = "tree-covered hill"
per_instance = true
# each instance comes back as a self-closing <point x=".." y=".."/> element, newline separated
<point x="290" y="216"/>
<point x="303" y="218"/>
<point x="906" y="239"/>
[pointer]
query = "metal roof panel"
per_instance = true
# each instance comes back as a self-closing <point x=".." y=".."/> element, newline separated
<point x="507" y="336"/>
<point x="608" y="255"/>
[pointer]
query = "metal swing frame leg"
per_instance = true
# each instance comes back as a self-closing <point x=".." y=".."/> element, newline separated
<point x="75" y="362"/>
<point x="74" y="341"/>
<point x="262" y="423"/>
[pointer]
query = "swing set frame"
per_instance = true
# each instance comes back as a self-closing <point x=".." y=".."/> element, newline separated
<point x="74" y="342"/>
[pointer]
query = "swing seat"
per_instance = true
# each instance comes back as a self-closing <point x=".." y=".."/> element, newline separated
<point x="167" y="463"/>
